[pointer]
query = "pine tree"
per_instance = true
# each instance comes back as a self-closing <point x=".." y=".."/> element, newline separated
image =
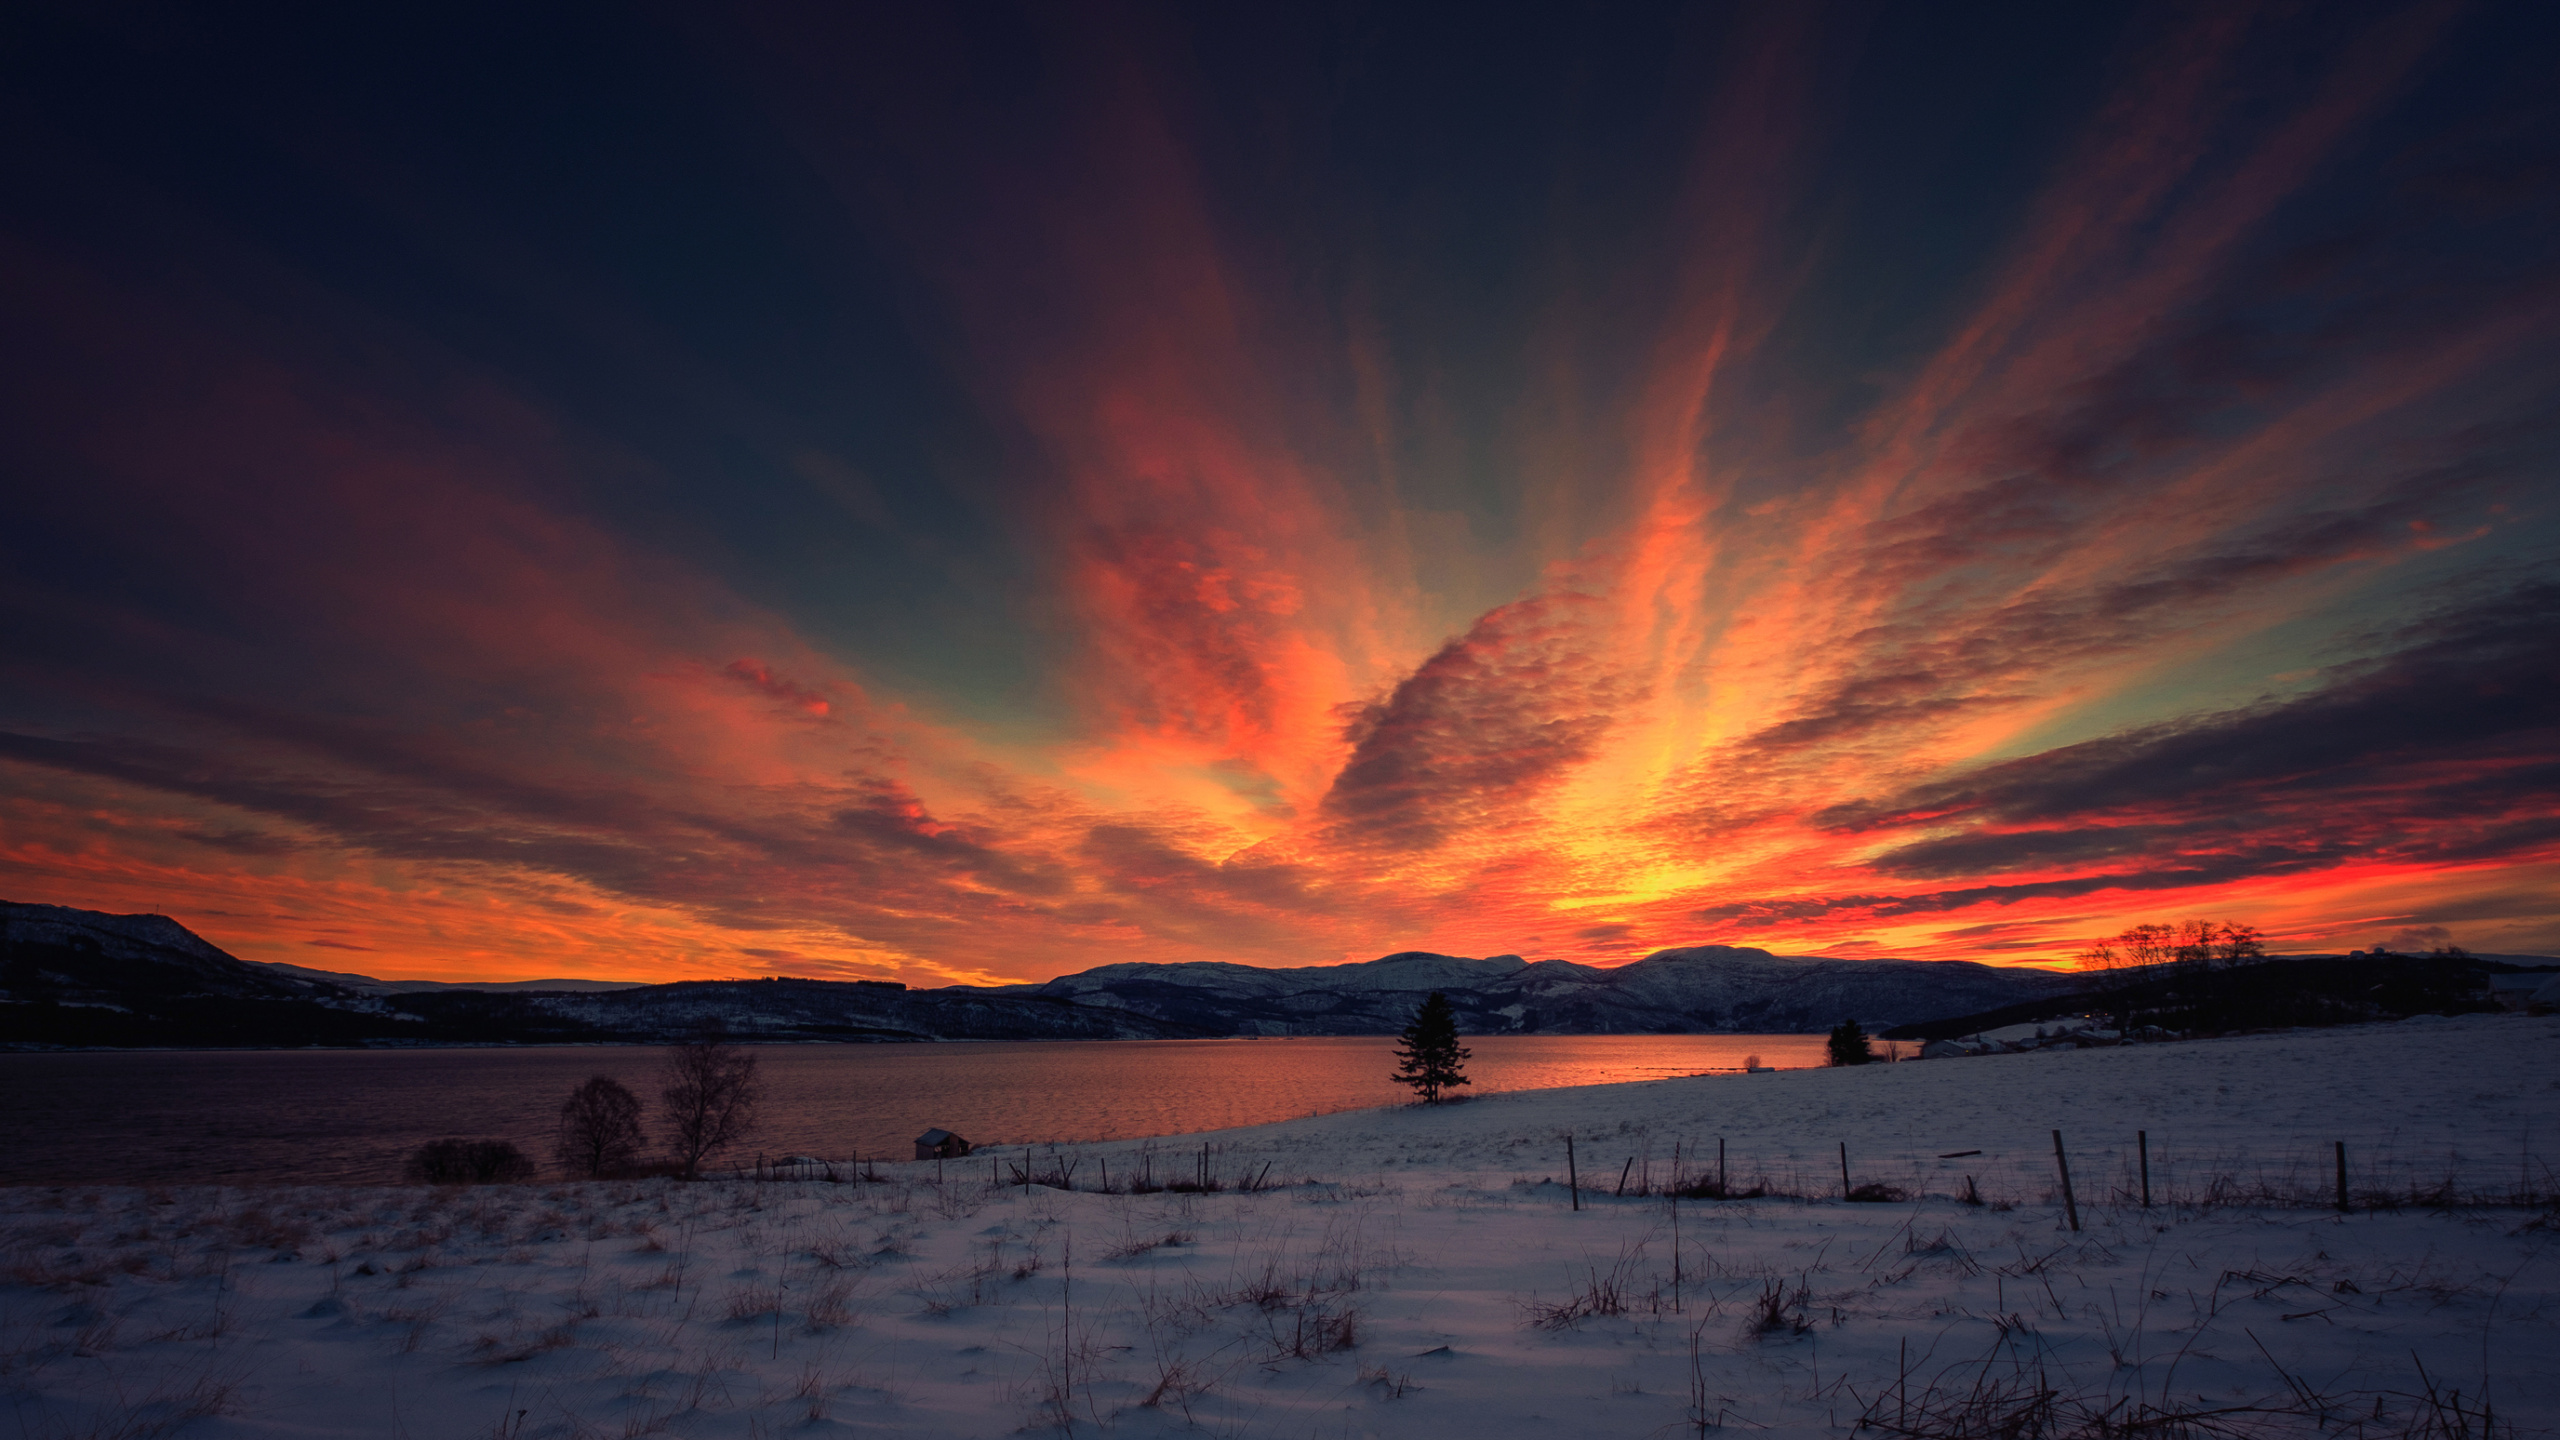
<point x="1849" y="1045"/>
<point x="1433" y="1060"/>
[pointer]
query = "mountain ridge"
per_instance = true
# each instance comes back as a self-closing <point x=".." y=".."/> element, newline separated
<point x="85" y="977"/>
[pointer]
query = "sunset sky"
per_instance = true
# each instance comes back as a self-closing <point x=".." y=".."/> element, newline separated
<point x="971" y="493"/>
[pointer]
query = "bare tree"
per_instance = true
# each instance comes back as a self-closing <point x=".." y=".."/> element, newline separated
<point x="2108" y="969"/>
<point x="2237" y="945"/>
<point x="2193" y="946"/>
<point x="2146" y="946"/>
<point x="599" y="1129"/>
<point x="710" y="1090"/>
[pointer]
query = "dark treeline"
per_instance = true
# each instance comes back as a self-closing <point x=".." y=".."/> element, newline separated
<point x="2253" y="993"/>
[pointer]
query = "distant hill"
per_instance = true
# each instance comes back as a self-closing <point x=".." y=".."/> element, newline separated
<point x="2278" y="992"/>
<point x="83" y="978"/>
<point x="78" y="977"/>
<point x="1699" y="989"/>
<point x="367" y="985"/>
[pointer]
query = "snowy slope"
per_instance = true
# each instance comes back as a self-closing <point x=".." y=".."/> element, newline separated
<point x="1417" y="1273"/>
<point x="140" y="962"/>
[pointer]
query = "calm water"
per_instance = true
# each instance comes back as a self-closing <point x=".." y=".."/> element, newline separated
<point x="351" y="1115"/>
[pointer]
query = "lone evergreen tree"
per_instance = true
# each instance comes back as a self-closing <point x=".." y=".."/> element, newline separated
<point x="1433" y="1059"/>
<point x="1849" y="1045"/>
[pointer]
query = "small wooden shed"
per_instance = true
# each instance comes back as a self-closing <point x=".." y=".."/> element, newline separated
<point x="940" y="1144"/>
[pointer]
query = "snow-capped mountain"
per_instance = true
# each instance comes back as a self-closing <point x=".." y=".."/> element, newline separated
<point x="1696" y="989"/>
<point x="79" y="977"/>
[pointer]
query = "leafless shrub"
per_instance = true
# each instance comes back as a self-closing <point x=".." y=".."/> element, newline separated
<point x="1178" y="1380"/>
<point x="1314" y="1331"/>
<point x="2027" y="1406"/>
<point x="1779" y="1311"/>
<point x="1711" y="1187"/>
<point x="831" y="1306"/>
<point x="1945" y="1247"/>
<point x="1601" y="1294"/>
<point x="468" y="1162"/>
<point x="711" y="1092"/>
<point x="1266" y="1291"/>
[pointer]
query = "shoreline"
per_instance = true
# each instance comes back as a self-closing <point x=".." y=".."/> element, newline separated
<point x="354" y="1117"/>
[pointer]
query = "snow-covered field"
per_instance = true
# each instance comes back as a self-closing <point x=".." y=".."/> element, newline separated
<point x="1409" y="1272"/>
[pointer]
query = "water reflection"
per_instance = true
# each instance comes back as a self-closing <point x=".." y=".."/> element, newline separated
<point x="350" y="1115"/>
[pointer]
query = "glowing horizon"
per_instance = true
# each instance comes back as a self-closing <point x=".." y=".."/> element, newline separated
<point x="973" y="502"/>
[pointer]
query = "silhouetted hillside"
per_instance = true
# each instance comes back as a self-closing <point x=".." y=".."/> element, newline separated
<point x="2271" y="994"/>
<point x="75" y="977"/>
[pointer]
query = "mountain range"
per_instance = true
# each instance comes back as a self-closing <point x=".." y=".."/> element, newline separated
<point x="81" y="977"/>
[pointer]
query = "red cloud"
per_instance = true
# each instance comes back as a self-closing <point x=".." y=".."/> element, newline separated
<point x="789" y="692"/>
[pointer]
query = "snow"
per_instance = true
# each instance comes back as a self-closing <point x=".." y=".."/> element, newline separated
<point x="1412" y="1272"/>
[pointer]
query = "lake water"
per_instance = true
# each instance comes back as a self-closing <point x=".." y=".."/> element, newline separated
<point x="199" y="1117"/>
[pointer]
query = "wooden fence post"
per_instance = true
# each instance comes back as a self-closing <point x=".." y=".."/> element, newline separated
<point x="2070" y="1206"/>
<point x="2342" y="1177"/>
<point x="1572" y="1178"/>
<point x="1844" y="1169"/>
<point x="1722" y="1183"/>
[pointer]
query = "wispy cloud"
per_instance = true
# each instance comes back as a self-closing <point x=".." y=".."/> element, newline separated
<point x="1290" y="534"/>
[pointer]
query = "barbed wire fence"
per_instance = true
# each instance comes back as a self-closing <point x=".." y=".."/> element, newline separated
<point x="2128" y="1169"/>
<point x="2135" y="1168"/>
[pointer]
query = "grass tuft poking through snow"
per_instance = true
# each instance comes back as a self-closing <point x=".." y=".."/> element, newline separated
<point x="1412" y="1273"/>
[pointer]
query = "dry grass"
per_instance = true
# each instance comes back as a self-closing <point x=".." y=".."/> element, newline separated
<point x="830" y="1306"/>
<point x="1779" y="1311"/>
<point x="1132" y="1248"/>
<point x="753" y="1302"/>
<point x="1601" y="1293"/>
